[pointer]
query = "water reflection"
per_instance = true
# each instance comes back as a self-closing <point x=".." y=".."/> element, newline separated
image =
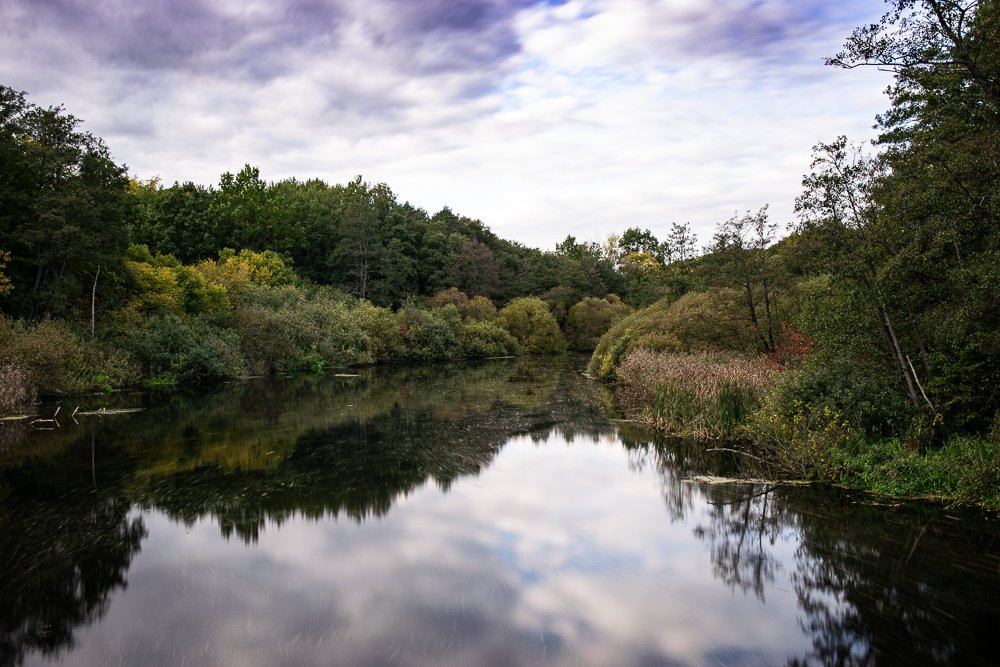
<point x="482" y="514"/>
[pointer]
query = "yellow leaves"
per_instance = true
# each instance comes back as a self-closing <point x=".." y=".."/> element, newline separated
<point x="643" y="261"/>
<point x="5" y="284"/>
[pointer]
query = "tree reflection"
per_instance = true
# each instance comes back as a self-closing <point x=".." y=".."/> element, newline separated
<point x="66" y="547"/>
<point x="438" y="427"/>
<point x="910" y="588"/>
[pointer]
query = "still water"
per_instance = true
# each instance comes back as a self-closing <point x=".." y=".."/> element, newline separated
<point x="477" y="514"/>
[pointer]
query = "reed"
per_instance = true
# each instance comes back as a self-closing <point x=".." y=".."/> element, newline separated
<point x="699" y="394"/>
<point x="16" y="389"/>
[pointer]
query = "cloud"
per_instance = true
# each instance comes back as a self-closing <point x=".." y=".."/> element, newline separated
<point x="541" y="118"/>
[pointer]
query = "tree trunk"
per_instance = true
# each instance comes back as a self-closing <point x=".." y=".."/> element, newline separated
<point x="93" y="303"/>
<point x="901" y="363"/>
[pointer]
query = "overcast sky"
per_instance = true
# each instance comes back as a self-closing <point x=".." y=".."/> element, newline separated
<point x="539" y="118"/>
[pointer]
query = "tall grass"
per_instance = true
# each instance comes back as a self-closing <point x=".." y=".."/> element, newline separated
<point x="697" y="394"/>
<point x="16" y="389"/>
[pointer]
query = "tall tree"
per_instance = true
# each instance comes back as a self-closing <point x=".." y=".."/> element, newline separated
<point x="919" y="224"/>
<point x="743" y="254"/>
<point x="62" y="203"/>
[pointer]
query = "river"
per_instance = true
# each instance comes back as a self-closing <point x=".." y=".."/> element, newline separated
<point x="489" y="513"/>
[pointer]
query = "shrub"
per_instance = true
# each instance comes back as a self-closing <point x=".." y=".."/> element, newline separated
<point x="189" y="352"/>
<point x="589" y="319"/>
<point x="430" y="334"/>
<point x="485" y="339"/>
<point x="452" y="295"/>
<point x="55" y="359"/>
<point x="479" y="308"/>
<point x="529" y="321"/>
<point x="804" y="441"/>
<point x="696" y="322"/>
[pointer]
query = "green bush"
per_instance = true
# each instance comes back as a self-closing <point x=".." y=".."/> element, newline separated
<point x="529" y="321"/>
<point x="696" y="322"/>
<point x="479" y="308"/>
<point x="589" y="319"/>
<point x="191" y="352"/>
<point x="55" y="359"/>
<point x="485" y="339"/>
<point x="430" y="335"/>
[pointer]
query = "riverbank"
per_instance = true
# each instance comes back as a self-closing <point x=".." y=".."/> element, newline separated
<point x="740" y="400"/>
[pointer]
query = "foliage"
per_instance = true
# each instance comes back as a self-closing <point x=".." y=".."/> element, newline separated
<point x="5" y="285"/>
<point x="62" y="203"/>
<point x="189" y="352"/>
<point x="963" y="470"/>
<point x="911" y="233"/>
<point x="52" y="358"/>
<point x="479" y="308"/>
<point x="486" y="339"/>
<point x="698" y="321"/>
<point x="430" y="335"/>
<point x="589" y="319"/>
<point x="161" y="284"/>
<point x="529" y="321"/>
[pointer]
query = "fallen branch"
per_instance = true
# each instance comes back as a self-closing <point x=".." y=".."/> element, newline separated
<point x="736" y="451"/>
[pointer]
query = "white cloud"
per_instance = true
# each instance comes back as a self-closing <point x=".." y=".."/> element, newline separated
<point x="582" y="118"/>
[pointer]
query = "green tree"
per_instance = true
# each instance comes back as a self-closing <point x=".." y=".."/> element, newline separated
<point x="528" y="319"/>
<point x="743" y="257"/>
<point x="62" y="203"/>
<point x="914" y="231"/>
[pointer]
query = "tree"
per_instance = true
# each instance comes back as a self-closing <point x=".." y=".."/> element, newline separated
<point x="61" y="207"/>
<point x="528" y="319"/>
<point x="635" y="240"/>
<point x="743" y="252"/>
<point x="914" y="231"/>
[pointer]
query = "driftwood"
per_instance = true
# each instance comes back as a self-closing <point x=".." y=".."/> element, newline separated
<point x="108" y="411"/>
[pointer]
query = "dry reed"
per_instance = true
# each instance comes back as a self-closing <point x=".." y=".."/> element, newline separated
<point x="16" y="390"/>
<point x="705" y="394"/>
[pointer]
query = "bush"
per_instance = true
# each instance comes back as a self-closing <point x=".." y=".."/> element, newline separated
<point x="529" y="321"/>
<point x="696" y="322"/>
<point x="589" y="319"/>
<point x="485" y="339"/>
<point x="55" y="359"/>
<point x="188" y="352"/>
<point x="865" y="395"/>
<point x="479" y="308"/>
<point x="430" y="335"/>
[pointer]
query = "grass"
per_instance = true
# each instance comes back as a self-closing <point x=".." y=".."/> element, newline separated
<point x="965" y="470"/>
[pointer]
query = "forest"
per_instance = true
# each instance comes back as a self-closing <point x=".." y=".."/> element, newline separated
<point x="861" y="347"/>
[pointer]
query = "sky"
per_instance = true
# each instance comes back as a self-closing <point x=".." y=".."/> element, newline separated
<point x="540" y="118"/>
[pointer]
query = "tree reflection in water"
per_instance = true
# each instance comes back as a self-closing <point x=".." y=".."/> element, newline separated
<point x="68" y="538"/>
<point x="914" y="586"/>
<point x="907" y="588"/>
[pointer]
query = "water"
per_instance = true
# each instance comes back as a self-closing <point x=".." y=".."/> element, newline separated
<point x="479" y="514"/>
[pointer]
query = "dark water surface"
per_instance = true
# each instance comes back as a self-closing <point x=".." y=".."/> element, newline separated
<point x="480" y="514"/>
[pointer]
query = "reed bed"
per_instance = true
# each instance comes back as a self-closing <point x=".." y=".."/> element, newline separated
<point x="706" y="394"/>
<point x="16" y="389"/>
